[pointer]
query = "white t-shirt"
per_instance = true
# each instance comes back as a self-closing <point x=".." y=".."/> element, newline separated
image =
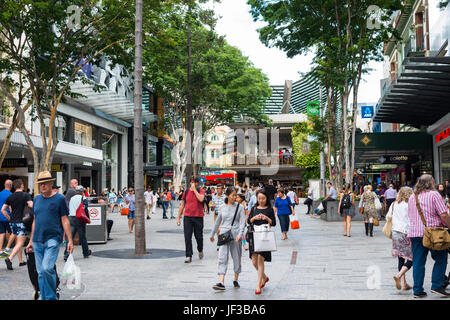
<point x="148" y="196"/>
<point x="291" y="195"/>
<point x="74" y="203"/>
<point x="155" y="196"/>
<point x="400" y="218"/>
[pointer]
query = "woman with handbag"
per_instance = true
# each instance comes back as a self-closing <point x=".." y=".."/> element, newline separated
<point x="427" y="213"/>
<point x="231" y="219"/>
<point x="346" y="208"/>
<point x="283" y="208"/>
<point x="260" y="214"/>
<point x="369" y="211"/>
<point x="401" y="244"/>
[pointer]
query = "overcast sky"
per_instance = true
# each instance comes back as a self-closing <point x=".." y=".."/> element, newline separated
<point x="240" y="31"/>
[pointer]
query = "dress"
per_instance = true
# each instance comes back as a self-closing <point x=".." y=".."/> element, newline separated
<point x="269" y="213"/>
<point x="401" y="246"/>
<point x="369" y="205"/>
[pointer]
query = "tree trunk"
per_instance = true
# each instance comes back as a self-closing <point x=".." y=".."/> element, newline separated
<point x="189" y="119"/>
<point x="140" y="246"/>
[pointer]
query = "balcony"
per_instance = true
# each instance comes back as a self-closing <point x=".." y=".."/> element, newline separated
<point x="415" y="47"/>
<point x="241" y="161"/>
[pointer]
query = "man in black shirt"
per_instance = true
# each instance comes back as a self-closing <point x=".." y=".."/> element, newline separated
<point x="17" y="203"/>
<point x="271" y="191"/>
<point x="71" y="191"/>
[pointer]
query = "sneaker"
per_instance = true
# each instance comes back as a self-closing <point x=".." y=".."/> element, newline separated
<point x="148" y="218"/>
<point x="441" y="292"/>
<point x="8" y="264"/>
<point x="420" y="295"/>
<point x="236" y="284"/>
<point x="219" y="286"/>
<point x="5" y="253"/>
<point x="36" y="295"/>
<point x="165" y="218"/>
<point x="22" y="264"/>
<point x="200" y="255"/>
<point x="188" y="260"/>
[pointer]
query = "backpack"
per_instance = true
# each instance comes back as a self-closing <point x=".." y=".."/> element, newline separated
<point x="346" y="202"/>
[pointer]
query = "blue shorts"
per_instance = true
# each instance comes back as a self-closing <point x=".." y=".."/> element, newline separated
<point x="131" y="215"/>
<point x="4" y="227"/>
<point x="18" y="228"/>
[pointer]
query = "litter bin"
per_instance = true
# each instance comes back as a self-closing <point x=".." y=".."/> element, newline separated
<point x="96" y="230"/>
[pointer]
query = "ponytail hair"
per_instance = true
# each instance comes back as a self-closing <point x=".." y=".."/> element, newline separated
<point x="228" y="191"/>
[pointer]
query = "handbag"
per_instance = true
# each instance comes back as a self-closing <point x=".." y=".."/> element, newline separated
<point x="434" y="238"/>
<point x="226" y="237"/>
<point x="376" y="223"/>
<point x="387" y="229"/>
<point x="264" y="239"/>
<point x="27" y="217"/>
<point x="81" y="214"/>
<point x="378" y="205"/>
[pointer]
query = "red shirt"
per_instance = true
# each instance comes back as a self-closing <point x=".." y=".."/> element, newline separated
<point x="193" y="207"/>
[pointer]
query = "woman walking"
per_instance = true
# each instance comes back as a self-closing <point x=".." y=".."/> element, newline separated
<point x="370" y="212"/>
<point x="119" y="200"/>
<point x="260" y="214"/>
<point x="112" y="199"/>
<point x="401" y="244"/>
<point x="283" y="208"/>
<point x="240" y="198"/>
<point x="346" y="208"/>
<point x="232" y="217"/>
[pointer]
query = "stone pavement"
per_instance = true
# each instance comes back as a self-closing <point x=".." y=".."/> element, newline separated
<point x="315" y="262"/>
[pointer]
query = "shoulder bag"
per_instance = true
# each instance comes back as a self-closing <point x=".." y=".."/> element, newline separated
<point x="226" y="237"/>
<point x="434" y="238"/>
<point x="387" y="229"/>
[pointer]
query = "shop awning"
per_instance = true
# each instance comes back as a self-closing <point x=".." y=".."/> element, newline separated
<point x="110" y="103"/>
<point x="420" y="96"/>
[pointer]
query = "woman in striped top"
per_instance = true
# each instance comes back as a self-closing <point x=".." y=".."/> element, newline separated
<point x="435" y="213"/>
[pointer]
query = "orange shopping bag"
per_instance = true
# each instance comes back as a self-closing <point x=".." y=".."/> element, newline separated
<point x="294" y="222"/>
<point x="125" y="212"/>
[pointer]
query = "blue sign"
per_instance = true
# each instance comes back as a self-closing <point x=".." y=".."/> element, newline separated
<point x="367" y="112"/>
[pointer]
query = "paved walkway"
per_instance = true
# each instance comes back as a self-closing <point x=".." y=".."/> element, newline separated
<point x="316" y="262"/>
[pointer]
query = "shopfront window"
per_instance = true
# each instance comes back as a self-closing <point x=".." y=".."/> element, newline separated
<point x="83" y="134"/>
<point x="151" y="153"/>
<point x="445" y="162"/>
<point x="110" y="160"/>
<point x="167" y="156"/>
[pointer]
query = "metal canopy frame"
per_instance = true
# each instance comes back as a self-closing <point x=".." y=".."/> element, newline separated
<point x="420" y="96"/>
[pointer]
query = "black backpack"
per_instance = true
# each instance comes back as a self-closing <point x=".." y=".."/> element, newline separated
<point x="346" y="202"/>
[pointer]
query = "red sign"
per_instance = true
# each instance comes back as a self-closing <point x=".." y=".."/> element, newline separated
<point x="443" y="135"/>
<point x="168" y="174"/>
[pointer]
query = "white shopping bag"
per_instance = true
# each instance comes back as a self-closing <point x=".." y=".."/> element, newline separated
<point x="320" y="207"/>
<point x="71" y="275"/>
<point x="264" y="239"/>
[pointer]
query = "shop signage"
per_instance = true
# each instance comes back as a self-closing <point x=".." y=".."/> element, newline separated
<point x="168" y="174"/>
<point x="443" y="135"/>
<point x="15" y="163"/>
<point x="367" y="112"/>
<point x="401" y="159"/>
<point x="58" y="167"/>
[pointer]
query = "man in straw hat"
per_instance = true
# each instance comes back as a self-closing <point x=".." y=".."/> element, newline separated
<point x="50" y="213"/>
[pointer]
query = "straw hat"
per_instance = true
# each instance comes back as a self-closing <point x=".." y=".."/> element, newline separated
<point x="45" y="176"/>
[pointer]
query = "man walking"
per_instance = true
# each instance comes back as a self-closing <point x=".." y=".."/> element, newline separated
<point x="171" y="198"/>
<point x="148" y="201"/>
<point x="50" y="223"/>
<point x="4" y="221"/>
<point x="76" y="226"/>
<point x="271" y="192"/>
<point x="331" y="196"/>
<point x="192" y="208"/>
<point x="390" y="196"/>
<point x="17" y="203"/>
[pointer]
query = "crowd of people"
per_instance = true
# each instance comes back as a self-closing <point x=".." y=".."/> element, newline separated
<point x="237" y="211"/>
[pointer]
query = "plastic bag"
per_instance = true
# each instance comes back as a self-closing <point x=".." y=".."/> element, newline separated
<point x="71" y="274"/>
<point x="320" y="207"/>
<point x="294" y="222"/>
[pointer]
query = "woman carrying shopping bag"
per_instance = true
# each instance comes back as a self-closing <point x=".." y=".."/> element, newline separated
<point x="232" y="217"/>
<point x="260" y="214"/>
<point x="401" y="244"/>
<point x="283" y="208"/>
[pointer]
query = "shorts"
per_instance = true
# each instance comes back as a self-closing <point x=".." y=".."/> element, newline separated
<point x="4" y="227"/>
<point x="131" y="214"/>
<point x="18" y="228"/>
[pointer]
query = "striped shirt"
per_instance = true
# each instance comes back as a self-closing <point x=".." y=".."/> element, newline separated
<point x="432" y="206"/>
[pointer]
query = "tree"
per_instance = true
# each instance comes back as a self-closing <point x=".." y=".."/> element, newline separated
<point x="44" y="47"/>
<point x="223" y="83"/>
<point x="338" y="31"/>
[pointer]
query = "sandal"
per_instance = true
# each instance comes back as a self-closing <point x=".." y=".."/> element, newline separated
<point x="267" y="280"/>
<point x="257" y="292"/>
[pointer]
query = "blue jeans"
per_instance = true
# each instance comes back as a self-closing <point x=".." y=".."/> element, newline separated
<point x="45" y="254"/>
<point x="420" y="254"/>
<point x="172" y="205"/>
<point x="165" y="204"/>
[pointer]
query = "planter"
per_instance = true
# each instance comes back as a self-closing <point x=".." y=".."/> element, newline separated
<point x="332" y="212"/>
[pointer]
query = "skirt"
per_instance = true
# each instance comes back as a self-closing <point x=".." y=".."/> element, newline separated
<point x="348" y="212"/>
<point x="251" y="248"/>
<point x="401" y="246"/>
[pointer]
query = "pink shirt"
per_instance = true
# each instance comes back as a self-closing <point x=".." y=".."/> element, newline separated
<point x="432" y="206"/>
